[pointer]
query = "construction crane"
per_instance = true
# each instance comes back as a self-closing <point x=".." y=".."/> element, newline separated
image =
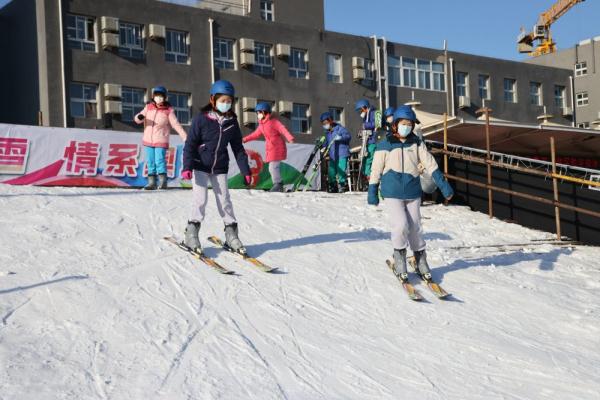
<point x="541" y="30"/>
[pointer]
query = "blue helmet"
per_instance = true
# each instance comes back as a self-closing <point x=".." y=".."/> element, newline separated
<point x="326" y="115"/>
<point x="263" y="106"/>
<point x="159" y="89"/>
<point x="222" y="87"/>
<point x="389" y="112"/>
<point x="405" y="112"/>
<point x="361" y="103"/>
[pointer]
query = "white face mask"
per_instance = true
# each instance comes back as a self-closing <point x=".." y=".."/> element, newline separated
<point x="223" y="107"/>
<point x="404" y="130"/>
<point x="363" y="114"/>
<point x="260" y="115"/>
<point x="159" y="99"/>
<point x="390" y="120"/>
<point x="327" y="126"/>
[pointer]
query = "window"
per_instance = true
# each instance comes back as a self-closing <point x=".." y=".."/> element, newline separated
<point x="462" y="84"/>
<point x="263" y="62"/>
<point x="176" y="47"/>
<point x="559" y="96"/>
<point x="300" y="120"/>
<point x="424" y="73"/>
<point x="582" y="99"/>
<point x="181" y="105"/>
<point x="409" y="72"/>
<point x="369" y="67"/>
<point x="535" y="93"/>
<point x="337" y="114"/>
<point x="132" y="102"/>
<point x="298" y="67"/>
<point x="223" y="49"/>
<point x="80" y="33"/>
<point x="583" y="125"/>
<point x="510" y="90"/>
<point x="439" y="76"/>
<point x="581" y="68"/>
<point x="484" y="87"/>
<point x="84" y="103"/>
<point x="131" y="43"/>
<point x="394" y="71"/>
<point x="266" y="10"/>
<point x="334" y="68"/>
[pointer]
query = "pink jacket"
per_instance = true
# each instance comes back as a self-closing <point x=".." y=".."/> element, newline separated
<point x="158" y="122"/>
<point x="274" y="133"/>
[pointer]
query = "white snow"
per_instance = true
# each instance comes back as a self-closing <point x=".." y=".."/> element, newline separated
<point x="94" y="305"/>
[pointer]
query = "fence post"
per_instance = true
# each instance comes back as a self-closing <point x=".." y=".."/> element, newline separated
<point x="40" y="119"/>
<point x="555" y="188"/>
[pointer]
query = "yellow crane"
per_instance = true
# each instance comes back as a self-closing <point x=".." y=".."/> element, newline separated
<point x="541" y="30"/>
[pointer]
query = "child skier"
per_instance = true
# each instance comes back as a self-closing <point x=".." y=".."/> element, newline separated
<point x="388" y="118"/>
<point x="158" y="118"/>
<point x="338" y="141"/>
<point x="367" y="115"/>
<point x="395" y="167"/>
<point x="205" y="153"/>
<point x="275" y="133"/>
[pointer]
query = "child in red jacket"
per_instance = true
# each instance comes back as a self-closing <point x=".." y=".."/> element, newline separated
<point x="275" y="134"/>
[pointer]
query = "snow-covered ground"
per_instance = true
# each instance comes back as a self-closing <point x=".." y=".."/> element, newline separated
<point x="94" y="305"/>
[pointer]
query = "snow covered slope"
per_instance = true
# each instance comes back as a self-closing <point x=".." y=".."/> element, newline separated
<point x="94" y="305"/>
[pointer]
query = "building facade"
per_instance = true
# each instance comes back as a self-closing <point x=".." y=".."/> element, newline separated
<point x="584" y="62"/>
<point x="91" y="64"/>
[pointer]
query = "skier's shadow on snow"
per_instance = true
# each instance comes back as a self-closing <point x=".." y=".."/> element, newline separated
<point x="547" y="261"/>
<point x="65" y="278"/>
<point x="366" y="235"/>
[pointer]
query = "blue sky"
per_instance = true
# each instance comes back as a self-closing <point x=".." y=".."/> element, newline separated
<point x="482" y="27"/>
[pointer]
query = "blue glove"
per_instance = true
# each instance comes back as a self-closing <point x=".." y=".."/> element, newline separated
<point x="337" y="137"/>
<point x="373" y="195"/>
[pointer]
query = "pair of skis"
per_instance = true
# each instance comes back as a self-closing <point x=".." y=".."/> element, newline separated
<point x="215" y="265"/>
<point x="413" y="293"/>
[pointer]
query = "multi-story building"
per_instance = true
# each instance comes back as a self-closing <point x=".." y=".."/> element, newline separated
<point x="584" y="61"/>
<point x="85" y="63"/>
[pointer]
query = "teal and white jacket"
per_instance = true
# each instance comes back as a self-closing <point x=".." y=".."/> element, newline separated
<point x="395" y="169"/>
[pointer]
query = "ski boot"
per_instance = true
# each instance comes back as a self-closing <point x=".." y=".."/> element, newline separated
<point x="232" y="240"/>
<point x="421" y="266"/>
<point x="400" y="265"/>
<point x="162" y="181"/>
<point x="191" y="236"/>
<point x="151" y="183"/>
<point x="277" y="187"/>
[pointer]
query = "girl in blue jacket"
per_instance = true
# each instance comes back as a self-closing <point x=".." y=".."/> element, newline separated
<point x="338" y="141"/>
<point x="397" y="168"/>
<point x="205" y="153"/>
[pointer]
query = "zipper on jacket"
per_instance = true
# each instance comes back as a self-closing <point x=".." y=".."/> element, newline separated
<point x="212" y="170"/>
<point x="153" y="125"/>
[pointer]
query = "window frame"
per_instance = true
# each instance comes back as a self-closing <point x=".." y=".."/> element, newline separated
<point x="337" y="66"/>
<point x="82" y="41"/>
<point x="563" y="96"/>
<point x="266" y="12"/>
<point x="582" y="101"/>
<point x="84" y="100"/>
<point x="339" y="111"/>
<point x="178" y="109"/>
<point x="177" y="54"/>
<point x="464" y="85"/>
<point x="129" y="50"/>
<point x="263" y="68"/>
<point x="510" y="92"/>
<point x="581" y="68"/>
<point x="222" y="62"/>
<point x="487" y="86"/>
<point x="301" y="119"/>
<point x="370" y="75"/>
<point x="125" y="106"/>
<point x="537" y="95"/>
<point x="394" y="71"/>
<point x="297" y="71"/>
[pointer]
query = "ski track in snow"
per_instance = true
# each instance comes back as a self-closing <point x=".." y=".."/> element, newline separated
<point x="95" y="305"/>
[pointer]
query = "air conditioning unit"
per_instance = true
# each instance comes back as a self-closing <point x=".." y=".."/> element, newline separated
<point x="112" y="90"/>
<point x="285" y="107"/>
<point x="109" y="24"/>
<point x="110" y="40"/>
<point x="247" y="59"/>
<point x="113" y="107"/>
<point x="567" y="111"/>
<point x="358" y="62"/>
<point x="358" y="74"/>
<point x="464" y="102"/>
<point x="248" y="103"/>
<point x="249" y="118"/>
<point x="246" y="45"/>
<point x="157" y="31"/>
<point x="283" y="50"/>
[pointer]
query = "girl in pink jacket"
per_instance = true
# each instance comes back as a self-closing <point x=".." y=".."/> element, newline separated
<point x="158" y="118"/>
<point x="274" y="133"/>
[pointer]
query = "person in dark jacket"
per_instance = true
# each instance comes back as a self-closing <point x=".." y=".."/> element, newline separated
<point x="205" y="153"/>
<point x="338" y="141"/>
